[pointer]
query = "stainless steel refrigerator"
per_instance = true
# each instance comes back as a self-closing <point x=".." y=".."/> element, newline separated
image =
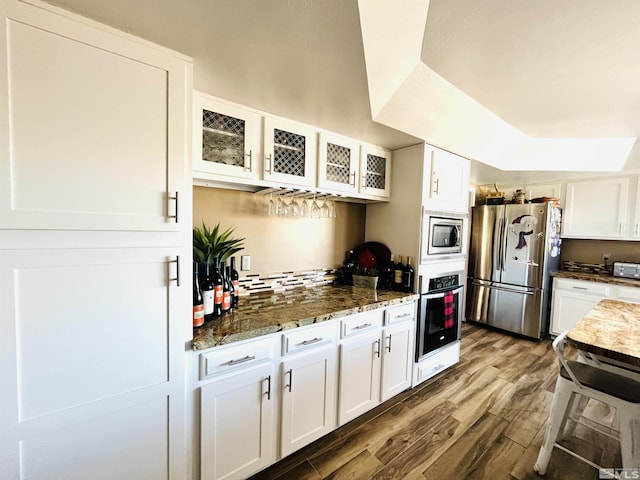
<point x="512" y="252"/>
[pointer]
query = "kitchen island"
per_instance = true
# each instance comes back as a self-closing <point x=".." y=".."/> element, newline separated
<point x="265" y="313"/>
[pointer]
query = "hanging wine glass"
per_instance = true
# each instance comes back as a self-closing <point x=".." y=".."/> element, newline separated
<point x="324" y="209"/>
<point x="294" y="206"/>
<point x="281" y="209"/>
<point x="272" y="205"/>
<point x="315" y="208"/>
<point x="332" y="208"/>
<point x="304" y="208"/>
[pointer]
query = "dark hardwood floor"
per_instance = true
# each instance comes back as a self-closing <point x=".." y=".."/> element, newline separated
<point x="482" y="419"/>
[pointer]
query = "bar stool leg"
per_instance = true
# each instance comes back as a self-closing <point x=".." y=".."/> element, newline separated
<point x="557" y="417"/>
<point x="576" y="407"/>
<point x="629" y="438"/>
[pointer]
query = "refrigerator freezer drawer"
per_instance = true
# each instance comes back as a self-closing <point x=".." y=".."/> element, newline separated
<point x="513" y="309"/>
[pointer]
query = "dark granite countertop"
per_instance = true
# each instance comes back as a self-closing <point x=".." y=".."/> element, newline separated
<point x="266" y="313"/>
<point x="597" y="277"/>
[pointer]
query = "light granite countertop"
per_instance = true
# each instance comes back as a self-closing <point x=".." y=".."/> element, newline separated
<point x="597" y="277"/>
<point x="265" y="313"/>
<point x="611" y="329"/>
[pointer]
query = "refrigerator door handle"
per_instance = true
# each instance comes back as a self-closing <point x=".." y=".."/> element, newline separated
<point x="503" y="247"/>
<point x="503" y="289"/>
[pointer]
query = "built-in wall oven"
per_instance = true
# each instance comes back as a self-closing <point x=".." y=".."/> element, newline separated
<point x="440" y="312"/>
<point x="439" y="322"/>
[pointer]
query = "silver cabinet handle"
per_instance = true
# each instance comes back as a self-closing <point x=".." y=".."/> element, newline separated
<point x="248" y="358"/>
<point x="620" y="228"/>
<point x="268" y="392"/>
<point x="437" y="189"/>
<point x="353" y="176"/>
<point x="404" y="315"/>
<point x="313" y="340"/>
<point x="250" y="155"/>
<point x="637" y="228"/>
<point x="176" y="200"/>
<point x="270" y="159"/>
<point x="290" y="373"/>
<point x="580" y="288"/>
<point x="360" y="327"/>
<point x="389" y="344"/>
<point x="177" y="277"/>
<point x="377" y="351"/>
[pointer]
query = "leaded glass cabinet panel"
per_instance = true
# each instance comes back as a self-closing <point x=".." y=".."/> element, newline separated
<point x="226" y="138"/>
<point x="375" y="171"/>
<point x="338" y="163"/>
<point x="289" y="152"/>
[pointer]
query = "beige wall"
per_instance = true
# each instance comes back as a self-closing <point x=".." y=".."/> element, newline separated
<point x="590" y="251"/>
<point x="279" y="244"/>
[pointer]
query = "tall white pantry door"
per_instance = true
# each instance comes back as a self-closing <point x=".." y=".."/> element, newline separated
<point x="94" y="225"/>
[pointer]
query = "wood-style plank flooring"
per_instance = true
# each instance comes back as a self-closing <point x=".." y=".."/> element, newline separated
<point x="482" y="419"/>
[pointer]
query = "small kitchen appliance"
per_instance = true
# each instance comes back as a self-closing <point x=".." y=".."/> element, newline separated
<point x="626" y="270"/>
<point x="441" y="236"/>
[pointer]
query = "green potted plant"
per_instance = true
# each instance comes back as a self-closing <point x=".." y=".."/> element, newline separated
<point x="209" y="243"/>
<point x="365" y="277"/>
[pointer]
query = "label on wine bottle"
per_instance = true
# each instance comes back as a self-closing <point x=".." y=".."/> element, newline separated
<point x="226" y="301"/>
<point x="236" y="287"/>
<point x="218" y="294"/>
<point x="397" y="276"/>
<point x="198" y="314"/>
<point x="207" y="299"/>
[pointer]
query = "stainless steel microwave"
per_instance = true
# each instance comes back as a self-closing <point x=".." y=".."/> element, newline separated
<point x="441" y="235"/>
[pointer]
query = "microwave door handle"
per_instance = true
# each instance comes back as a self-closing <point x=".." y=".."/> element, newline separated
<point x="456" y="235"/>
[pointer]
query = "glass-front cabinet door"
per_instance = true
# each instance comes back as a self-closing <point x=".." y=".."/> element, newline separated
<point x="226" y="139"/>
<point x="289" y="152"/>
<point x="338" y="163"/>
<point x="375" y="171"/>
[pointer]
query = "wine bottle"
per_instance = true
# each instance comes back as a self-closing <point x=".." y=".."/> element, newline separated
<point x="235" y="282"/>
<point x="198" y="303"/>
<point x="387" y="273"/>
<point x="348" y="267"/>
<point x="226" y="291"/>
<point x="207" y="290"/>
<point x="216" y="278"/>
<point x="408" y="277"/>
<point x="397" y="274"/>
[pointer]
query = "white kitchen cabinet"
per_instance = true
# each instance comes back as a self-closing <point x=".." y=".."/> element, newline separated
<point x="360" y="367"/>
<point x="89" y="150"/>
<point x="226" y="140"/>
<point x="95" y="223"/>
<point x="338" y="163"/>
<point x="375" y="363"/>
<point x="628" y="294"/>
<point x="448" y="188"/>
<point x="596" y="209"/>
<point x="635" y="225"/>
<point x="397" y="359"/>
<point x="238" y="408"/>
<point x="375" y="172"/>
<point x="308" y="388"/>
<point x="290" y="152"/>
<point x="572" y="300"/>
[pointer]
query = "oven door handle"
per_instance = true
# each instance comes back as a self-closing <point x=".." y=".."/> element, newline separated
<point x="431" y="296"/>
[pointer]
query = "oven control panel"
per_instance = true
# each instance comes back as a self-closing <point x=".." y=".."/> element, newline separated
<point x="446" y="281"/>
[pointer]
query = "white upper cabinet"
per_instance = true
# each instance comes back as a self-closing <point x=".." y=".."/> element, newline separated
<point x="290" y="151"/>
<point x="338" y="163"/>
<point x="448" y="177"/>
<point x="95" y="135"/>
<point x="596" y="209"/>
<point x="375" y="172"/>
<point x="635" y="225"/>
<point x="226" y="139"/>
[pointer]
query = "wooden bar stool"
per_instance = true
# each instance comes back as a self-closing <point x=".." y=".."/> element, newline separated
<point x="608" y="387"/>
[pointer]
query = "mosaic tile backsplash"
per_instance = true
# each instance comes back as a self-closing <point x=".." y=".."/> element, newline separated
<point x="277" y="282"/>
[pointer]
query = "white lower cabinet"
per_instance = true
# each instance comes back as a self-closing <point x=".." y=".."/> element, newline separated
<point x="237" y="420"/>
<point x="573" y="299"/>
<point x="308" y="386"/>
<point x="375" y="362"/>
<point x="292" y="381"/>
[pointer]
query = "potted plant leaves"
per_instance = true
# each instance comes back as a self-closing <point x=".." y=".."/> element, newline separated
<point x="209" y="243"/>
<point x="365" y="277"/>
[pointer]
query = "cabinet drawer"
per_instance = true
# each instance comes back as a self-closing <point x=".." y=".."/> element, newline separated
<point x="401" y="313"/>
<point x="629" y="294"/>
<point x="360" y="323"/>
<point x="581" y="286"/>
<point x="438" y="362"/>
<point x="304" y="338"/>
<point x="225" y="359"/>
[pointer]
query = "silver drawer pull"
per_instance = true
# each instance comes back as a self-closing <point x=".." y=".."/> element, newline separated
<point x="404" y="315"/>
<point x="248" y="358"/>
<point x="580" y="288"/>
<point x="313" y="340"/>
<point x="360" y="327"/>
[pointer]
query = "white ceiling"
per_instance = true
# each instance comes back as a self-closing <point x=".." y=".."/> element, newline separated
<point x="482" y="75"/>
